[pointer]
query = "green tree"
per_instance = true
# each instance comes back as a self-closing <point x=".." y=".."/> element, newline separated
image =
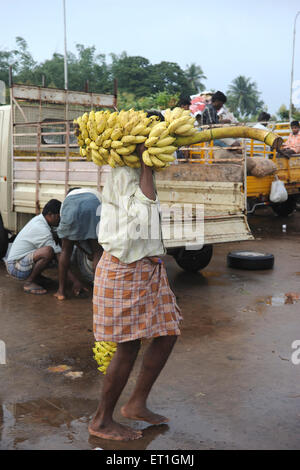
<point x="243" y="97"/>
<point x="131" y="73"/>
<point x="20" y="60"/>
<point x="195" y="75"/>
<point x="284" y="114"/>
<point x="53" y="71"/>
<point x="169" y="77"/>
<point x="6" y="58"/>
<point x="23" y="62"/>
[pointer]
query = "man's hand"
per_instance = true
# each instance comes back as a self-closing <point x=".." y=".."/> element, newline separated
<point x="139" y="150"/>
<point x="224" y="121"/>
<point x="146" y="179"/>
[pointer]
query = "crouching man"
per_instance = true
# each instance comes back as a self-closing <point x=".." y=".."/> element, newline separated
<point x="80" y="216"/>
<point x="34" y="248"/>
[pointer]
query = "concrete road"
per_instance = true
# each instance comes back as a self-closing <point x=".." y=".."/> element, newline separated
<point x="229" y="384"/>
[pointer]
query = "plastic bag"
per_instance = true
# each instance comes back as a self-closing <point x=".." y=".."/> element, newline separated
<point x="278" y="192"/>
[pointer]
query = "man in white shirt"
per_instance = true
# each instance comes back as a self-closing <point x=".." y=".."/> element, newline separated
<point x="34" y="248"/>
<point x="132" y="297"/>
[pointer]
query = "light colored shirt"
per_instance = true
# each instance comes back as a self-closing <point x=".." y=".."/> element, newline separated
<point x="36" y="234"/>
<point x="130" y="226"/>
<point x="293" y="142"/>
<point x="85" y="190"/>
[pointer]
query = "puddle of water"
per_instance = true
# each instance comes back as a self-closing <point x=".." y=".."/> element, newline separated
<point x="278" y="300"/>
<point x="61" y="423"/>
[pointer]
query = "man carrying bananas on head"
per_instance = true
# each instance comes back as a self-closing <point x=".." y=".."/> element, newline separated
<point x="132" y="297"/>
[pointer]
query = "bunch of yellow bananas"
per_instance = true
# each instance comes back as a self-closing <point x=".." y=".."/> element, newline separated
<point x="159" y="147"/>
<point x="111" y="138"/>
<point x="180" y="122"/>
<point x="103" y="354"/>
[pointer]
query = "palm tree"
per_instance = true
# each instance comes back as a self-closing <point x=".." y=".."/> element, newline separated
<point x="243" y="97"/>
<point x="194" y="75"/>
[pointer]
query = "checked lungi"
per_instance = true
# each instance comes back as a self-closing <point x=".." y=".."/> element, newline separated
<point x="22" y="268"/>
<point x="132" y="301"/>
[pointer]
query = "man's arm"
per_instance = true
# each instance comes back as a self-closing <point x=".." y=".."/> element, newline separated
<point x="146" y="179"/>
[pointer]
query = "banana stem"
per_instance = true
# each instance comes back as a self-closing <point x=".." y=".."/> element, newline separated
<point x="268" y="137"/>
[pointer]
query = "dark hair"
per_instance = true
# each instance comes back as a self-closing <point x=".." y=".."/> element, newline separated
<point x="72" y="189"/>
<point x="52" y="207"/>
<point x="295" y="124"/>
<point x="219" y="96"/>
<point x="184" y="100"/>
<point x="263" y="116"/>
<point x="155" y="113"/>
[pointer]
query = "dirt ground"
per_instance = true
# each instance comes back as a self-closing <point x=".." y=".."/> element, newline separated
<point x="229" y="384"/>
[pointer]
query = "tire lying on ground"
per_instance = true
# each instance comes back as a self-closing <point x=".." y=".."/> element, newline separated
<point x="250" y="260"/>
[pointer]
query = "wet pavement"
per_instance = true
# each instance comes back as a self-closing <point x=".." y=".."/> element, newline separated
<point x="230" y="382"/>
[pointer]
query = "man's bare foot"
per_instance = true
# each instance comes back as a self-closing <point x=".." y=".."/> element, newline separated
<point x="141" y="413"/>
<point x="80" y="291"/>
<point x="115" y="432"/>
<point x="59" y="296"/>
<point x="33" y="288"/>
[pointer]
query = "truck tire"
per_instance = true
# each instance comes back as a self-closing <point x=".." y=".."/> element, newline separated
<point x="3" y="239"/>
<point x="286" y="208"/>
<point x="194" y="260"/>
<point x="85" y="265"/>
<point x="250" y="260"/>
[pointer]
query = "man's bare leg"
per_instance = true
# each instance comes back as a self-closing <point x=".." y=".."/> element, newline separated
<point x="154" y="360"/>
<point x="103" y="425"/>
<point x="97" y="251"/>
<point x="41" y="258"/>
<point x="63" y="267"/>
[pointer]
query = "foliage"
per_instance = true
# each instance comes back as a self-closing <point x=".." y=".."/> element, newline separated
<point x="194" y="75"/>
<point x="284" y="115"/>
<point x="243" y="98"/>
<point x="135" y="74"/>
<point x="161" y="100"/>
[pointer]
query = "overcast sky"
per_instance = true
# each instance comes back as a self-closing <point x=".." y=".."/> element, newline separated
<point x="226" y="38"/>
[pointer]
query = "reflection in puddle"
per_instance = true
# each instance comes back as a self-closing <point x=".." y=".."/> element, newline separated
<point x="61" y="423"/>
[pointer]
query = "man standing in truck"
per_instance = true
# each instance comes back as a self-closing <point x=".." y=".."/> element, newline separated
<point x="210" y="113"/>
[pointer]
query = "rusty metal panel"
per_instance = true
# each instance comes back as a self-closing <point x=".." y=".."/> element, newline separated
<point x="53" y="95"/>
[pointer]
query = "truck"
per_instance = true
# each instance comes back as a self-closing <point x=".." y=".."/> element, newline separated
<point x="201" y="204"/>
<point x="258" y="189"/>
